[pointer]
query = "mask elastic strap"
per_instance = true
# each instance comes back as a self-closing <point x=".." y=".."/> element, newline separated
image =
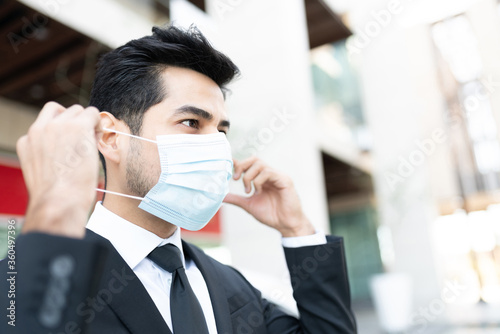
<point x="128" y="134"/>
<point x="119" y="194"/>
<point x="113" y="192"/>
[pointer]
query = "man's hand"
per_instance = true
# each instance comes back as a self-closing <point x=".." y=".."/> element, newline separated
<point x="274" y="203"/>
<point x="60" y="167"/>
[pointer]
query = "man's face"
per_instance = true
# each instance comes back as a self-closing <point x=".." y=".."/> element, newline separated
<point x="194" y="104"/>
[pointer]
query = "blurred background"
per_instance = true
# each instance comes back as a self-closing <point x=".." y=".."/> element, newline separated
<point x="385" y="113"/>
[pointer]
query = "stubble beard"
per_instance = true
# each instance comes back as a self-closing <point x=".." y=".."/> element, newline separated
<point x="138" y="182"/>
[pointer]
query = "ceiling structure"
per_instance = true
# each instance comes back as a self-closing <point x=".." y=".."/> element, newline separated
<point x="323" y="25"/>
<point x="43" y="60"/>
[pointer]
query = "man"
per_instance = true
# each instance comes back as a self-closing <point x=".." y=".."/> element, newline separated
<point x="167" y="164"/>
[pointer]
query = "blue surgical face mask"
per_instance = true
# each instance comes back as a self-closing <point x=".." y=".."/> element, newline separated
<point x="194" y="179"/>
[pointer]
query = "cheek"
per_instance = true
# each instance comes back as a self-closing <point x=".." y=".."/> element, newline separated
<point x="154" y="168"/>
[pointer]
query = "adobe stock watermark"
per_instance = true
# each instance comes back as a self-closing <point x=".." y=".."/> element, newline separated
<point x="34" y="27"/>
<point x="420" y="319"/>
<point x="299" y="273"/>
<point x="80" y="92"/>
<point x="481" y="93"/>
<point x="380" y="19"/>
<point x="309" y="265"/>
<point x="12" y="272"/>
<point x="407" y="166"/>
<point x="425" y="148"/>
<point x="257" y="141"/>
<point x="89" y="308"/>
<point x="75" y="155"/>
<point x="222" y="7"/>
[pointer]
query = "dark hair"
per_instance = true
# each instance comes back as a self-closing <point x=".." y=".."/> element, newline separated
<point x="127" y="81"/>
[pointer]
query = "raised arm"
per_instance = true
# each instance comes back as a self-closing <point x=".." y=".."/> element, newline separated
<point x="52" y="269"/>
<point x="316" y="264"/>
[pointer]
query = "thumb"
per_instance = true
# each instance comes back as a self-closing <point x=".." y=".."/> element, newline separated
<point x="237" y="200"/>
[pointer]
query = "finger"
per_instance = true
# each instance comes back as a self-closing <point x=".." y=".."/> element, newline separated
<point x="91" y="115"/>
<point x="241" y="166"/>
<point x="236" y="200"/>
<point x="94" y="113"/>
<point x="251" y="173"/>
<point x="236" y="164"/>
<point x="264" y="176"/>
<point x="48" y="112"/>
<point x="88" y="123"/>
<point x="71" y="112"/>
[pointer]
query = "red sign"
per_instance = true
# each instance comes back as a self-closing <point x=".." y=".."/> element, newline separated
<point x="13" y="196"/>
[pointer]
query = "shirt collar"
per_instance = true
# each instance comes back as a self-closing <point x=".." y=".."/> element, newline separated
<point x="132" y="242"/>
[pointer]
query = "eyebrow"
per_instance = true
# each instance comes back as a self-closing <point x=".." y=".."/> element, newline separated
<point x="188" y="109"/>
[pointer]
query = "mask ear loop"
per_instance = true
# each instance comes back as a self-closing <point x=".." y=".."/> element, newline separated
<point x="130" y="135"/>
<point x="113" y="192"/>
<point x="119" y="194"/>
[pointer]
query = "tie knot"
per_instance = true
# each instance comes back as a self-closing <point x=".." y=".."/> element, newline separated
<point x="167" y="257"/>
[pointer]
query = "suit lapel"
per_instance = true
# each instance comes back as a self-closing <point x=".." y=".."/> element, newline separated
<point x="215" y="288"/>
<point x="125" y="294"/>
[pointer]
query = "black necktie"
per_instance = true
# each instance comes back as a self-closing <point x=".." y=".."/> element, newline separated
<point x="186" y="312"/>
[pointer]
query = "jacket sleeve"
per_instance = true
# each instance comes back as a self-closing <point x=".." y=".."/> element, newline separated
<point x="321" y="290"/>
<point x="50" y="278"/>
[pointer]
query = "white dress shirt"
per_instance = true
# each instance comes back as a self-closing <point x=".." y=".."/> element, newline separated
<point x="134" y="244"/>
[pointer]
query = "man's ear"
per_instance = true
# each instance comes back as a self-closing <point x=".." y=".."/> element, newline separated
<point x="108" y="144"/>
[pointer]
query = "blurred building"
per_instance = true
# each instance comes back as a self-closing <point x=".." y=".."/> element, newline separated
<point x="385" y="114"/>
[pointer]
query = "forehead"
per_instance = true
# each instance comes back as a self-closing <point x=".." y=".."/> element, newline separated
<point x="187" y="87"/>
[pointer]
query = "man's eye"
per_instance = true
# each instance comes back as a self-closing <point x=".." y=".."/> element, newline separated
<point x="192" y="123"/>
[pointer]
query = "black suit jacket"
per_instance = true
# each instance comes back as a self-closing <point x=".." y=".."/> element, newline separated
<point x="66" y="285"/>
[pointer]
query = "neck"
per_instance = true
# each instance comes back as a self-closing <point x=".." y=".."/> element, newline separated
<point x="128" y="209"/>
